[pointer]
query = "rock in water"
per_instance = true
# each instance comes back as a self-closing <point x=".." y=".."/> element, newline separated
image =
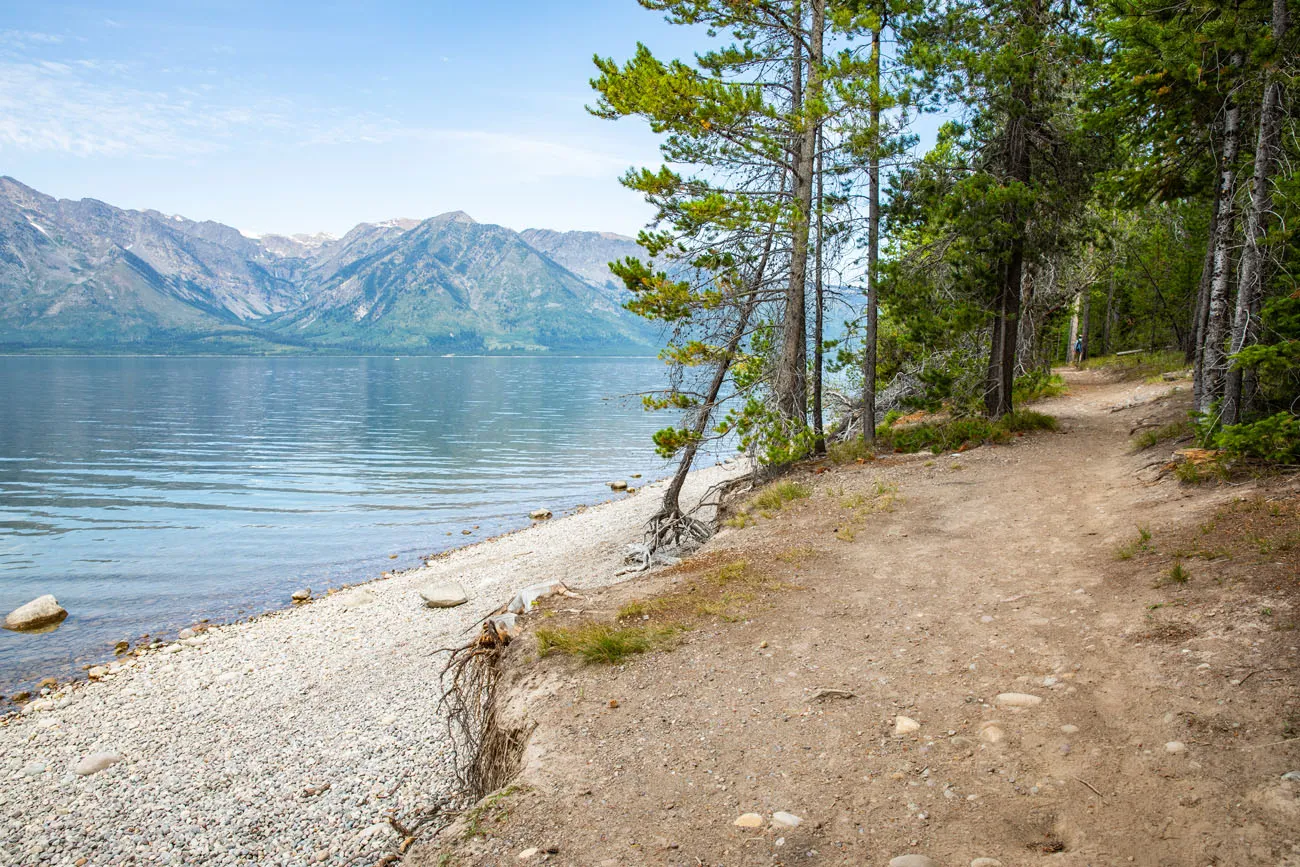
<point x="539" y="514"/>
<point x="96" y="762"/>
<point x="301" y="595"/>
<point x="620" y="485"/>
<point x="40" y="612"/>
<point x="445" y="594"/>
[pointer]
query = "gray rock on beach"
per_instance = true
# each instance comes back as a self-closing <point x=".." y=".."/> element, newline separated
<point x="539" y="514"/>
<point x="444" y="594"/>
<point x="301" y="595"/>
<point x="96" y="762"/>
<point x="42" y="611"/>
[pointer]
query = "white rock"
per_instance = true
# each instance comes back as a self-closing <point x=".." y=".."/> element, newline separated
<point x="1017" y="699"/>
<point x="991" y="733"/>
<point x="783" y="819"/>
<point x="1175" y="747"/>
<point x="357" y="598"/>
<point x="527" y="853"/>
<point x="913" y="861"/>
<point x="300" y="595"/>
<point x="32" y="769"/>
<point x="539" y="514"/>
<point x="185" y="633"/>
<point x="444" y="594"/>
<point x="905" y="725"/>
<point x="1069" y="729"/>
<point x="42" y="611"/>
<point x="97" y="672"/>
<point x="749" y="820"/>
<point x="986" y="862"/>
<point x="96" y="762"/>
<point x="227" y="677"/>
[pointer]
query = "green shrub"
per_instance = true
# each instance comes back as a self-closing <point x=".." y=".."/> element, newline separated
<point x="969" y="431"/>
<point x="1038" y="385"/>
<point x="1275" y="439"/>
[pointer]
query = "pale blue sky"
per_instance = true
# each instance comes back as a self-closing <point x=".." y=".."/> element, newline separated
<point x="303" y="117"/>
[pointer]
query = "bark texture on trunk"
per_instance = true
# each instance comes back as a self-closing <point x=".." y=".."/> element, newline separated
<point x="1214" y="357"/>
<point x="819" y="314"/>
<point x="873" y="252"/>
<point x="791" y="383"/>
<point x="1254" y="262"/>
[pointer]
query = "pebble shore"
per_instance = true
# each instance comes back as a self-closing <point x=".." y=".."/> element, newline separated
<point x="289" y="739"/>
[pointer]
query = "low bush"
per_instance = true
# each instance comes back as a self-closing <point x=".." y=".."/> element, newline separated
<point x="966" y="432"/>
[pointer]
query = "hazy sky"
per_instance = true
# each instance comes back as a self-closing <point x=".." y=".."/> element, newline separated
<point x="313" y="116"/>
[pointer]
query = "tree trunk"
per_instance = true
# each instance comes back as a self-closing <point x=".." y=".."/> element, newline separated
<point x="1203" y="305"/>
<point x="1254" y="265"/>
<point x="819" y="432"/>
<point x="1214" y="359"/>
<point x="1074" y="330"/>
<point x="1105" y="323"/>
<point x="870" y="339"/>
<point x="670" y="509"/>
<point x="791" y="381"/>
<point x="1085" y="324"/>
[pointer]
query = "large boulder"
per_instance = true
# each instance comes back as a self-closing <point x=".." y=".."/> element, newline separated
<point x="444" y="594"/>
<point x="37" y="614"/>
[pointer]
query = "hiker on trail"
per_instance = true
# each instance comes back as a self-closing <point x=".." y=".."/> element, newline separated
<point x="1078" y="351"/>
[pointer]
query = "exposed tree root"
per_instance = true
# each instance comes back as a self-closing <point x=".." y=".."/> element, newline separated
<point x="485" y="754"/>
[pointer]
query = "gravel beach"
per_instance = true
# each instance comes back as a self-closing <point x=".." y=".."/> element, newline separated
<point x="289" y="739"/>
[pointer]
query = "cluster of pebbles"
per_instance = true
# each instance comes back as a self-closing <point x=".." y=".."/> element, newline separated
<point x="290" y="739"/>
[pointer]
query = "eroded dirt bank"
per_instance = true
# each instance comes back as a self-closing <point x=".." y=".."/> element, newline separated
<point x="919" y="590"/>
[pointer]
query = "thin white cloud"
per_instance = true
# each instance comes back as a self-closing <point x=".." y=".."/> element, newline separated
<point x="88" y="109"/>
<point x="29" y="38"/>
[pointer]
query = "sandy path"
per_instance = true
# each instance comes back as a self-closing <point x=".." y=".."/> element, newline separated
<point x="995" y="573"/>
<point x="288" y="739"/>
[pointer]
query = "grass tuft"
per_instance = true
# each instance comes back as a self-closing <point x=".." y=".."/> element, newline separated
<point x="599" y="643"/>
<point x="1154" y="436"/>
<point x="1140" y="545"/>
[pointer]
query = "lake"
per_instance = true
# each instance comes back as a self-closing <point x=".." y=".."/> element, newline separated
<point x="149" y="493"/>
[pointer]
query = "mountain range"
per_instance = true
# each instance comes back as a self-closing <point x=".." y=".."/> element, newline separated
<point x="86" y="276"/>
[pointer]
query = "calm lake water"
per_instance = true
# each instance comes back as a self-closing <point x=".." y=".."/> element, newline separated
<point x="148" y="493"/>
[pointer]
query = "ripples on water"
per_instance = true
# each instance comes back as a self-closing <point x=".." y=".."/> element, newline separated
<point x="147" y="493"/>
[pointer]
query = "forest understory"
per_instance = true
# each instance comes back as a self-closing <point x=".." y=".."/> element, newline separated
<point x="856" y="649"/>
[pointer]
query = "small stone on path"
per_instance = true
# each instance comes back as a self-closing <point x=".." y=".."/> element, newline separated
<point x="986" y="862"/>
<point x="1070" y="729"/>
<point x="1017" y="699"/>
<point x="992" y="734"/>
<point x="749" y="820"/>
<point x="913" y="861"/>
<point x="786" y="820"/>
<point x="1175" y="747"/>
<point x="905" y="725"/>
<point x="527" y="853"/>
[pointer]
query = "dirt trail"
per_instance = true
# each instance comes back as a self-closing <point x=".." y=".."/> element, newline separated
<point x="1162" y="733"/>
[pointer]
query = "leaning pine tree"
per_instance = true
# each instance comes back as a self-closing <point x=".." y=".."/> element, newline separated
<point x="731" y="216"/>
